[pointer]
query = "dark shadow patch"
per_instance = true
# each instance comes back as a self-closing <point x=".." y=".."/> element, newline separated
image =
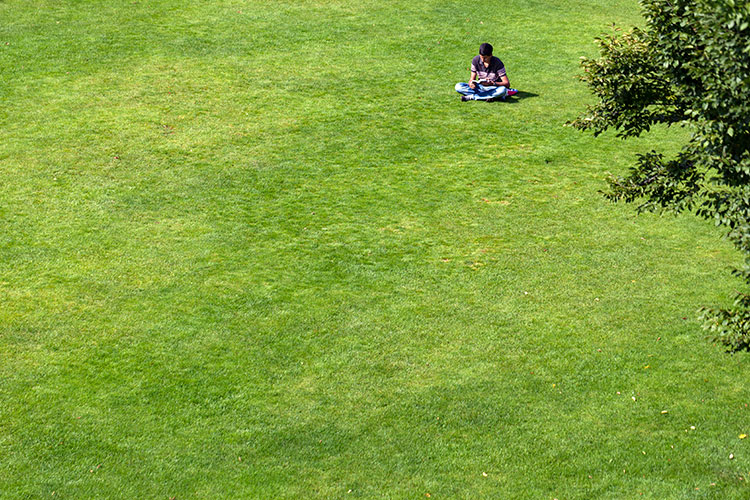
<point x="519" y="96"/>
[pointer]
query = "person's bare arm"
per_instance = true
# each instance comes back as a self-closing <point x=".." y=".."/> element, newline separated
<point x="502" y="82"/>
<point x="472" y="79"/>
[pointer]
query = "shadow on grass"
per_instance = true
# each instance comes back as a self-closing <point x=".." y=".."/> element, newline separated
<point x="519" y="96"/>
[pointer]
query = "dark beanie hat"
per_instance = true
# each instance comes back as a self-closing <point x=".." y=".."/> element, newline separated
<point x="485" y="49"/>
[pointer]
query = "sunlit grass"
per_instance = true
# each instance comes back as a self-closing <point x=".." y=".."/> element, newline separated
<point x="253" y="250"/>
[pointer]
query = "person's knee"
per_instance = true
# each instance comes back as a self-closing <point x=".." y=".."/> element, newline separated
<point x="460" y="86"/>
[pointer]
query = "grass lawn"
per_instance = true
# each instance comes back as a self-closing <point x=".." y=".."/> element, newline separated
<point x="260" y="249"/>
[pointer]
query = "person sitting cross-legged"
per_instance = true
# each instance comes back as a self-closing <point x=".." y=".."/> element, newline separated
<point x="488" y="80"/>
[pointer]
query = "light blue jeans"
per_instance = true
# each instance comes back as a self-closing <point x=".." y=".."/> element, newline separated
<point x="481" y="93"/>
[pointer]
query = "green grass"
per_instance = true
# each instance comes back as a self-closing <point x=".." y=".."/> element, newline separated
<point x="260" y="250"/>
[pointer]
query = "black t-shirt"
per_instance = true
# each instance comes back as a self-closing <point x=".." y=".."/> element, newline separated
<point x="495" y="71"/>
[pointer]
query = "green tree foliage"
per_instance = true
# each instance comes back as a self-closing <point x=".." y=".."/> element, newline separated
<point x="689" y="66"/>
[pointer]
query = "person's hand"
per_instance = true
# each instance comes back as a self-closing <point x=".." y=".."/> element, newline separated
<point x="473" y="84"/>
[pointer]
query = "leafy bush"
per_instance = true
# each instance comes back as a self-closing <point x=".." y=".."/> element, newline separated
<point x="690" y="66"/>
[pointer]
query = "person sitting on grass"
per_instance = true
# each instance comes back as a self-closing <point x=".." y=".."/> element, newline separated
<point x="488" y="81"/>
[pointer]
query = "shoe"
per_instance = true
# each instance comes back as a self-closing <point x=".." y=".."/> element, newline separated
<point x="465" y="98"/>
<point x="511" y="92"/>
